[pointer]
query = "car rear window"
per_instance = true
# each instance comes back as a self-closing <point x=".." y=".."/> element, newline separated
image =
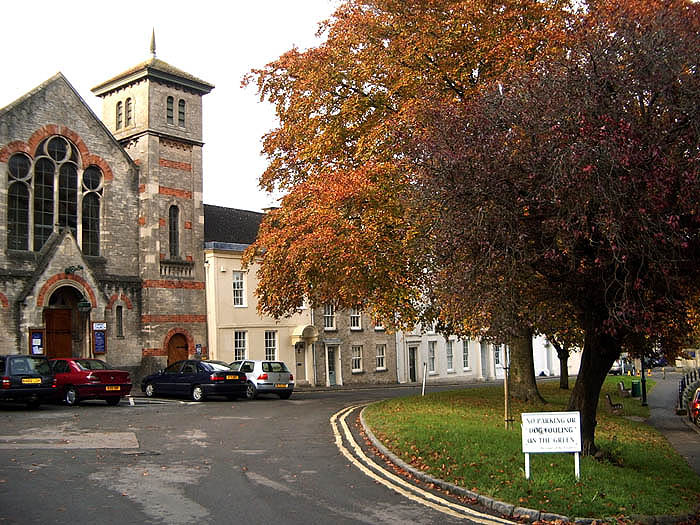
<point x="216" y="367"/>
<point x="29" y="365"/>
<point x="274" y="366"/>
<point x="92" y="364"/>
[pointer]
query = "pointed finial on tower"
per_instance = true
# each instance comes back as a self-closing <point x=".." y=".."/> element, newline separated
<point x="153" y="43"/>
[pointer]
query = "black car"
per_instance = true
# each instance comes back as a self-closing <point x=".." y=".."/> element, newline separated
<point x="26" y="379"/>
<point x="197" y="379"/>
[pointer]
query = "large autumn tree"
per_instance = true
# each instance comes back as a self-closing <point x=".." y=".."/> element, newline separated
<point x="350" y="230"/>
<point x="578" y="182"/>
<point x="488" y="165"/>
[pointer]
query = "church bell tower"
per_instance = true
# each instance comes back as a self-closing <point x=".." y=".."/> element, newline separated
<point x="155" y="112"/>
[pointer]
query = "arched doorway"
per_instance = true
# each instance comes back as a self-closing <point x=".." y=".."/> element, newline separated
<point x="177" y="348"/>
<point x="65" y="324"/>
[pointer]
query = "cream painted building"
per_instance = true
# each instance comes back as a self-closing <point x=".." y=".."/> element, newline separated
<point x="235" y="329"/>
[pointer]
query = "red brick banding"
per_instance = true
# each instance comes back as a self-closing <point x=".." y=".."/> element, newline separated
<point x="160" y="352"/>
<point x="167" y="163"/>
<point x="174" y="318"/>
<point x="187" y="285"/>
<point x="188" y="225"/>
<point x="11" y="148"/>
<point x="127" y="302"/>
<point x="174" y="192"/>
<point x="52" y="283"/>
<point x="3" y="300"/>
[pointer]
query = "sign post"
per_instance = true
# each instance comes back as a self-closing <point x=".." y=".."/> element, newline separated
<point x="551" y="432"/>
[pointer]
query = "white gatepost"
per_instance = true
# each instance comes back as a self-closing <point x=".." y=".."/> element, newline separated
<point x="551" y="432"/>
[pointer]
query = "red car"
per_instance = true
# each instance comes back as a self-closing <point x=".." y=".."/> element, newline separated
<point x="78" y="379"/>
<point x="694" y="407"/>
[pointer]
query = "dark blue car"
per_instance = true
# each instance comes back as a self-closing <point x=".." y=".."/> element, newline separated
<point x="196" y="379"/>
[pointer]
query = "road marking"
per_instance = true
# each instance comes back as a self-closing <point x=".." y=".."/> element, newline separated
<point x="398" y="484"/>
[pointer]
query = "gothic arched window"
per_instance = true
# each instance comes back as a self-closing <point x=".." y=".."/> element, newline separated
<point x="170" y="110"/>
<point x="119" y="115"/>
<point x="181" y="113"/>
<point x="174" y="231"/>
<point x="92" y="188"/>
<point x="45" y="193"/>
<point x="128" y="112"/>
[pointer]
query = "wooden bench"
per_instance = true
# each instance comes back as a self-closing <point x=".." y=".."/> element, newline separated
<point x="615" y="408"/>
<point x="624" y="392"/>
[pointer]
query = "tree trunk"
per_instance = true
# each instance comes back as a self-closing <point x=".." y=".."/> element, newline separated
<point x="599" y="353"/>
<point x="564" y="371"/>
<point x="563" y="355"/>
<point x="522" y="369"/>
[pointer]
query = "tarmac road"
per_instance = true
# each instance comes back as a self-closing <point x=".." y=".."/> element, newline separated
<point x="263" y="461"/>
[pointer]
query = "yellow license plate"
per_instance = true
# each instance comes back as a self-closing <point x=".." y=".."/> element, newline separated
<point x="231" y="377"/>
<point x="31" y="380"/>
<point x="112" y="388"/>
<point x="281" y="385"/>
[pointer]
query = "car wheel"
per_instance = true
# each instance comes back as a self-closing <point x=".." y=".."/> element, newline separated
<point x="251" y="392"/>
<point x="150" y="390"/>
<point x="285" y="395"/>
<point x="112" y="400"/>
<point x="197" y="393"/>
<point x="71" y="397"/>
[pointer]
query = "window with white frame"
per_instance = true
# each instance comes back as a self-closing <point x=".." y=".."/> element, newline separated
<point x="465" y="354"/>
<point x="381" y="357"/>
<point x="378" y="325"/>
<point x="449" y="354"/>
<point x="238" y="289"/>
<point x="270" y="345"/>
<point x="355" y="319"/>
<point x="329" y="317"/>
<point x="497" y="354"/>
<point x="431" y="355"/>
<point x="239" y="345"/>
<point x="357" y="358"/>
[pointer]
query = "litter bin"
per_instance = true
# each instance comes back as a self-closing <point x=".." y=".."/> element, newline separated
<point x="636" y="388"/>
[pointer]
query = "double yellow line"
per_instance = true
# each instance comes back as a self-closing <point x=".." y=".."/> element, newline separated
<point x="396" y="483"/>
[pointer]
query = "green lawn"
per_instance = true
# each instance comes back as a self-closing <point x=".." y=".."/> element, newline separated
<point x="459" y="436"/>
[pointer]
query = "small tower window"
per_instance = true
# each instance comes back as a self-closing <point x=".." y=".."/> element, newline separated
<point x="170" y="110"/>
<point x="181" y="113"/>
<point x="119" y="114"/>
<point x="120" y="321"/>
<point x="174" y="231"/>
<point x="129" y="112"/>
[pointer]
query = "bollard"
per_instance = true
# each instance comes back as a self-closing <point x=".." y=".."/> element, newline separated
<point x="663" y="371"/>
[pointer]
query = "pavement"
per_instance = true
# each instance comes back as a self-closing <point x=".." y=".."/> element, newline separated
<point x="683" y="435"/>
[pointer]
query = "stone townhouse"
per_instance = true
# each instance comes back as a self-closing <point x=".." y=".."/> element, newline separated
<point x="236" y="330"/>
<point x="352" y="348"/>
<point x="101" y="221"/>
<point x="320" y="346"/>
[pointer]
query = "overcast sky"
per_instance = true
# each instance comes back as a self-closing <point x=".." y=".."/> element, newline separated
<point x="92" y="41"/>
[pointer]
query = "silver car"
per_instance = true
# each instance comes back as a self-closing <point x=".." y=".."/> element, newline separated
<point x="266" y="377"/>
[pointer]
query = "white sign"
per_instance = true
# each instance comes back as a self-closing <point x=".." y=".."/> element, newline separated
<point x="551" y="432"/>
<point x="99" y="326"/>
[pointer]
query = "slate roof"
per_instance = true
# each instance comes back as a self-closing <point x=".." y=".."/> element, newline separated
<point x="157" y="69"/>
<point x="229" y="225"/>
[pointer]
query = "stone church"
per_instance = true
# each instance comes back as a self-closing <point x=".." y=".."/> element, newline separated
<point x="101" y="221"/>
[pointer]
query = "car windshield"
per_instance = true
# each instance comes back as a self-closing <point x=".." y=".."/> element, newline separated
<point x="92" y="364"/>
<point x="217" y="367"/>
<point x="236" y="365"/>
<point x="274" y="366"/>
<point x="30" y="365"/>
